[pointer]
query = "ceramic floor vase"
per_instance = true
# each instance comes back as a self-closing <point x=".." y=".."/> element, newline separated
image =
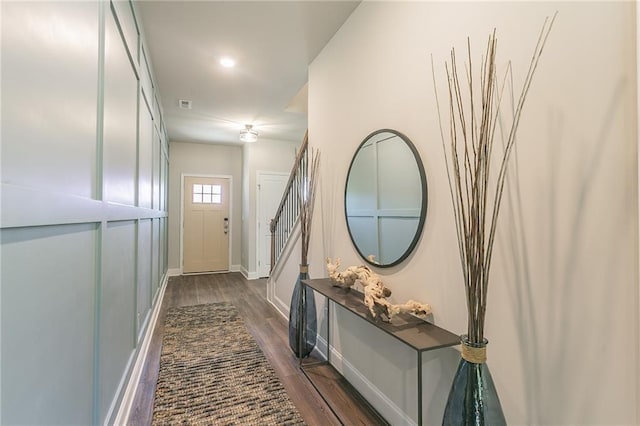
<point x="473" y="399"/>
<point x="302" y="310"/>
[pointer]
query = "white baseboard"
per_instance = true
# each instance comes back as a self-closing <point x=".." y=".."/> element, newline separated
<point x="270" y="290"/>
<point x="174" y="272"/>
<point x="115" y="403"/>
<point x="281" y="306"/>
<point x="321" y="348"/>
<point x="244" y="272"/>
<point x="395" y="415"/>
<point x="124" y="411"/>
<point x="375" y="397"/>
<point x="249" y="275"/>
<point x="280" y="311"/>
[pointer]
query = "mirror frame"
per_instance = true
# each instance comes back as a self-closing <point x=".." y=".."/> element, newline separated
<point x="424" y="194"/>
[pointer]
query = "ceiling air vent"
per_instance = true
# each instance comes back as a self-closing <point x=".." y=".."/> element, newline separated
<point x="184" y="104"/>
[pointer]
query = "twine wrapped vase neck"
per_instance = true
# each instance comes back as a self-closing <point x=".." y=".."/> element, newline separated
<point x="473" y="399"/>
<point x="475" y="353"/>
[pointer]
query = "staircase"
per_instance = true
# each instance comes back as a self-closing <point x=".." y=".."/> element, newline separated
<point x="288" y="211"/>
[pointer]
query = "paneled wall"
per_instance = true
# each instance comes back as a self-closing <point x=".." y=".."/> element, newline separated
<point x="84" y="208"/>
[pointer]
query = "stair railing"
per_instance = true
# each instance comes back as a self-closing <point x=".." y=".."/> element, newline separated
<point x="289" y="209"/>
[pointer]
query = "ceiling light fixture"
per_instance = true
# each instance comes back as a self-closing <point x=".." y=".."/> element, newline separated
<point x="227" y="62"/>
<point x="248" y="134"/>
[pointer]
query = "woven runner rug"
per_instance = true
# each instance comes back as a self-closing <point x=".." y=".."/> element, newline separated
<point x="213" y="372"/>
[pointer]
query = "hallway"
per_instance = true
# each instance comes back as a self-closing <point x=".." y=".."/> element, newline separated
<point x="269" y="329"/>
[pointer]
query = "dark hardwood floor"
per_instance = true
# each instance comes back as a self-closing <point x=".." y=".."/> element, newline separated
<point x="270" y="330"/>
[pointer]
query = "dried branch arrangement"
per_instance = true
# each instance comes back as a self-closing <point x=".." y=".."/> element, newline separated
<point x="306" y="197"/>
<point x="476" y="191"/>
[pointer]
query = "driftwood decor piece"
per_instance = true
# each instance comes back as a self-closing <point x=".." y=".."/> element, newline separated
<point x="375" y="292"/>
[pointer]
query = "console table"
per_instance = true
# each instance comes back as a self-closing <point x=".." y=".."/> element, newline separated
<point x="412" y="331"/>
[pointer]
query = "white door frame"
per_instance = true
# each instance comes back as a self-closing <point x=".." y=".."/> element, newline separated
<point x="259" y="175"/>
<point x="182" y="176"/>
<point x="638" y="183"/>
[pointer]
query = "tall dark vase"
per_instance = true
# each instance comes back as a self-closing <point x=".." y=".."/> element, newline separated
<point x="473" y="399"/>
<point x="302" y="310"/>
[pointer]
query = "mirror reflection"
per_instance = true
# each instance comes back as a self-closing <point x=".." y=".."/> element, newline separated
<point x="385" y="198"/>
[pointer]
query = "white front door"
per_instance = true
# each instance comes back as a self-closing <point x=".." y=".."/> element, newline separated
<point x="206" y="226"/>
<point x="270" y="190"/>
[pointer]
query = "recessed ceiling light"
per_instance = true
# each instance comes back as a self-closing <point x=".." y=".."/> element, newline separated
<point x="227" y="62"/>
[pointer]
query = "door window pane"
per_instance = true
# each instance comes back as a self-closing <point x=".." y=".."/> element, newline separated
<point x="207" y="194"/>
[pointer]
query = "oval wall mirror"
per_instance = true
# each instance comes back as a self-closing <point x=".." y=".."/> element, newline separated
<point x="385" y="198"/>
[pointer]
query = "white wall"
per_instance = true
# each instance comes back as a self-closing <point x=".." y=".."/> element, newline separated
<point x="563" y="303"/>
<point x="242" y="162"/>
<point x="263" y="156"/>
<point x="204" y="159"/>
<point x="83" y="232"/>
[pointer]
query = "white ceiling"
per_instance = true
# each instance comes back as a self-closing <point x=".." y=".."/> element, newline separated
<point x="272" y="43"/>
